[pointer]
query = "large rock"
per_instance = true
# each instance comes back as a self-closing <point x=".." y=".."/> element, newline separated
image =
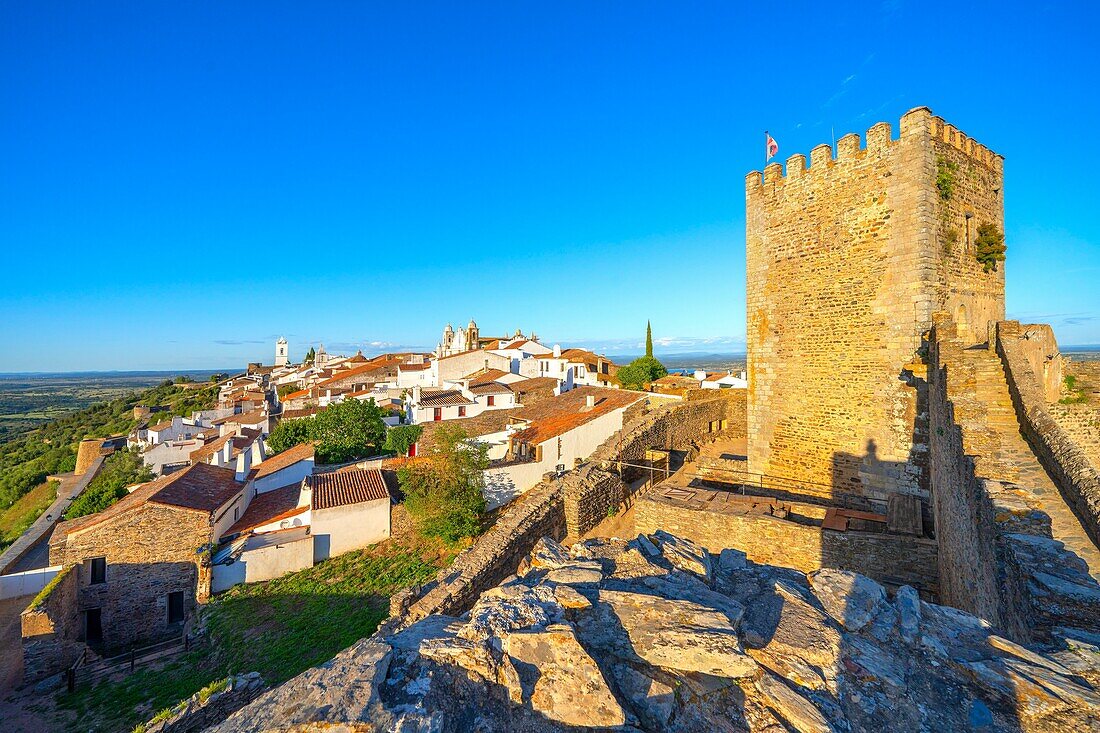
<point x="343" y="690"/>
<point x="512" y="607"/>
<point x="667" y="633"/>
<point x="852" y="599"/>
<point x="791" y="637"/>
<point x="685" y="554"/>
<point x="560" y="680"/>
<point x="652" y="700"/>
<point x="802" y="715"/>
<point x="907" y="604"/>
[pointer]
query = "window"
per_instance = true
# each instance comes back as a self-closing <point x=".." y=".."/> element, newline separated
<point x="491" y="400"/>
<point x="175" y="607"/>
<point x="437" y="414"/>
<point x="462" y="410"/>
<point x="97" y="571"/>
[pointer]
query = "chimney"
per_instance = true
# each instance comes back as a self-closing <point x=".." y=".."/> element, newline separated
<point x="416" y="395"/>
<point x="257" y="451"/>
<point x="244" y="465"/>
<point x="557" y="351"/>
<point x="227" y="452"/>
<point x="590" y="401"/>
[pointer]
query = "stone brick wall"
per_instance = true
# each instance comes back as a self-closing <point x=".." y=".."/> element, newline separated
<point x="52" y="629"/>
<point x="847" y="260"/>
<point x="897" y="559"/>
<point x="1082" y="424"/>
<point x="86" y="453"/>
<point x="964" y="513"/>
<point x="600" y="485"/>
<point x="1067" y="463"/>
<point x="151" y="551"/>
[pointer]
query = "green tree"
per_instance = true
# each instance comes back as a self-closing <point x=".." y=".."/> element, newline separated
<point x="311" y="355"/>
<point x="989" y="246"/>
<point x="443" y="490"/>
<point x="348" y="430"/>
<point x="120" y="469"/>
<point x="400" y="438"/>
<point x="289" y="433"/>
<point x="284" y="389"/>
<point x="640" y="372"/>
<point x="648" y="340"/>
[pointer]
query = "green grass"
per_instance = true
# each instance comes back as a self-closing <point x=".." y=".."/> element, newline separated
<point x="15" y="520"/>
<point x="1076" y="394"/>
<point x="278" y="628"/>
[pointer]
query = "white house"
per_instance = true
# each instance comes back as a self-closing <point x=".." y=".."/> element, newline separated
<point x="349" y="510"/>
<point x="721" y="380"/>
<point x="455" y="367"/>
<point x="554" y="435"/>
<point x="178" y="428"/>
<point x="414" y="375"/>
<point x="291" y="466"/>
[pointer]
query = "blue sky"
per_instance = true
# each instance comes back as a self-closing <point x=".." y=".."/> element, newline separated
<point x="182" y="182"/>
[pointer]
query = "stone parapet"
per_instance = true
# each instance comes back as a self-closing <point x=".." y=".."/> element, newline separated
<point x="1060" y="454"/>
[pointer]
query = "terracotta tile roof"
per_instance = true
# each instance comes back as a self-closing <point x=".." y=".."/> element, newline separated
<point x="200" y="487"/>
<point x="557" y="416"/>
<point x="160" y="426"/>
<point x="270" y="506"/>
<point x="255" y="417"/>
<point x="414" y="367"/>
<point x="304" y="412"/>
<point x="377" y="364"/>
<point x="534" y="384"/>
<point x="349" y="487"/>
<point x="207" y="451"/>
<point x="443" y="398"/>
<point x="493" y="388"/>
<point x="485" y="375"/>
<point x="279" y="461"/>
<point x="296" y="395"/>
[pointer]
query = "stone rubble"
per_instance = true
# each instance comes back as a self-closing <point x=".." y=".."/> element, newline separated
<point x="669" y="638"/>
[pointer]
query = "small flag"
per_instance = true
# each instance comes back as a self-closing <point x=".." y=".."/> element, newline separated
<point x="772" y="147"/>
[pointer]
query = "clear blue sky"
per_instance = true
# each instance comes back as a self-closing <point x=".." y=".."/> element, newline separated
<point x="182" y="182"/>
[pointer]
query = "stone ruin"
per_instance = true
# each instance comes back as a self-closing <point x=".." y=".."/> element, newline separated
<point x="657" y="634"/>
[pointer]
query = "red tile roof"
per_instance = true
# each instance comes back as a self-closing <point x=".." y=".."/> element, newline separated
<point x="200" y="487"/>
<point x="485" y="375"/>
<point x="270" y="506"/>
<point x="414" y="367"/>
<point x="558" y="415"/>
<point x="348" y="487"/>
<point x="279" y="461"/>
<point x="443" y="398"/>
<point x="160" y="426"/>
<point x="493" y="388"/>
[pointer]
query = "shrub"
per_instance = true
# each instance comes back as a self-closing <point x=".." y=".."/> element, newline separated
<point x="402" y="437"/>
<point x="641" y="372"/>
<point x="989" y="246"/>
<point x="443" y="489"/>
<point x="945" y="177"/>
<point x="343" y="432"/>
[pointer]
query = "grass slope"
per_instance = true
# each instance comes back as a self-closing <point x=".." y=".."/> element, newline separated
<point x="278" y="628"/>
<point x="15" y="520"/>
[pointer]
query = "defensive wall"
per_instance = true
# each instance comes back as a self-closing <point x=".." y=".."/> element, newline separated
<point x="571" y="504"/>
<point x="52" y="628"/>
<point x="1034" y="376"/>
<point x="847" y="259"/>
<point x="997" y="556"/>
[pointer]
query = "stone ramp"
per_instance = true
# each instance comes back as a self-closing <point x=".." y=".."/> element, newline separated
<point x="1009" y="459"/>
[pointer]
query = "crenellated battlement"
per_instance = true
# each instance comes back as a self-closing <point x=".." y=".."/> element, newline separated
<point x="917" y="122"/>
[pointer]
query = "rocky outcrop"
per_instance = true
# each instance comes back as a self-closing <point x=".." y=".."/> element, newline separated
<point x="654" y="634"/>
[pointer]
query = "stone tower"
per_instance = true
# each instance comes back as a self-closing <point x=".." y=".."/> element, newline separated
<point x="847" y="259"/>
<point x="282" y="352"/>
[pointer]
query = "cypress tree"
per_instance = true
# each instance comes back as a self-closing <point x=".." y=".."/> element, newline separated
<point x="648" y="340"/>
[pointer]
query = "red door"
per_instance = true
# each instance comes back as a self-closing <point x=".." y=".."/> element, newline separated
<point x="438" y="414"/>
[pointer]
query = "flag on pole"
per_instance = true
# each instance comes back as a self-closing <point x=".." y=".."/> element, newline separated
<point x="771" y="145"/>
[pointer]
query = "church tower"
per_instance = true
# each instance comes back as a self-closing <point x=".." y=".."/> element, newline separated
<point x="282" y="352"/>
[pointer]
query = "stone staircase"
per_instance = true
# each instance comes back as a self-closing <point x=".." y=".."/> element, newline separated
<point x="992" y="434"/>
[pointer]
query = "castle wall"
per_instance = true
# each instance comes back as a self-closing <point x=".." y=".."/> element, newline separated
<point x="845" y="267"/>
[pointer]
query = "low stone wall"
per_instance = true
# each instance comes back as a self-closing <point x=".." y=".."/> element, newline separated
<point x="600" y="486"/>
<point x="194" y="714"/>
<point x="494" y="557"/>
<point x="1082" y="423"/>
<point x="771" y="540"/>
<point x="1066" y="461"/>
<point x="52" y="628"/>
